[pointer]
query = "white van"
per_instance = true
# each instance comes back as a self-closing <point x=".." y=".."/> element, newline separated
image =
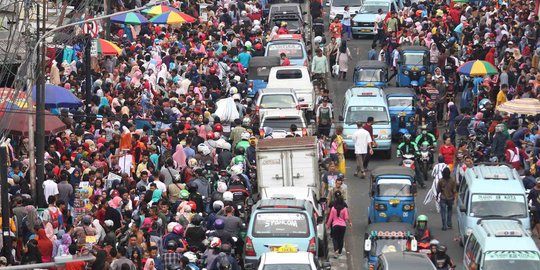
<point x="297" y="78"/>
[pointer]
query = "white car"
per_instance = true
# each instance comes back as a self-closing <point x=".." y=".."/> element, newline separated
<point x="281" y="120"/>
<point x="286" y="257"/>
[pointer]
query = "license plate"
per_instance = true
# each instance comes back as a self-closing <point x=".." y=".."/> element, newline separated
<point x="365" y="30"/>
<point x="394" y="201"/>
<point x="284" y="249"/>
<point x="402" y="113"/>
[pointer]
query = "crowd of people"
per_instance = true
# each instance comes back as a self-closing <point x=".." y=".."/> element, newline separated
<point x="135" y="176"/>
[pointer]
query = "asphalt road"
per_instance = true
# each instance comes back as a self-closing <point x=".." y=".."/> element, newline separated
<point x="358" y="189"/>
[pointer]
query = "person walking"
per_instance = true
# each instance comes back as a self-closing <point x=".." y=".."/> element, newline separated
<point x="319" y="65"/>
<point x="431" y="195"/>
<point x="362" y="146"/>
<point x="346" y="22"/>
<point x="369" y="127"/>
<point x="446" y="192"/>
<point x="343" y="57"/>
<point x="337" y="222"/>
<point x="331" y="51"/>
<point x="340" y="149"/>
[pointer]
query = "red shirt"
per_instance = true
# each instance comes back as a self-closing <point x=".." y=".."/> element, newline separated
<point x="448" y="152"/>
<point x="286" y="62"/>
<point x="75" y="265"/>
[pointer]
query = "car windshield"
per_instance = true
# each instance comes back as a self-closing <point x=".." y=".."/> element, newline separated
<point x="342" y="3"/>
<point x="274" y="224"/>
<point x="282" y="123"/>
<point x="397" y="189"/>
<point x="292" y="22"/>
<point x="498" y="205"/>
<point x="292" y="50"/>
<point x="382" y="245"/>
<point x="413" y="58"/>
<point x="374" y="8"/>
<point x="277" y="101"/>
<point x="361" y="113"/>
<point x="259" y="73"/>
<point x="504" y="260"/>
<point x="287" y="267"/>
<point x="370" y="75"/>
<point x="400" y="102"/>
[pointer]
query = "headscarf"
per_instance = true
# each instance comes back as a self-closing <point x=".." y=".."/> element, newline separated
<point x="32" y="216"/>
<point x="115" y="202"/>
<point x="147" y="264"/>
<point x="65" y="243"/>
<point x="428" y="40"/>
<point x="156" y="195"/>
<point x="510" y="145"/>
<point x="274" y="32"/>
<point x="45" y="245"/>
<point x="179" y="156"/>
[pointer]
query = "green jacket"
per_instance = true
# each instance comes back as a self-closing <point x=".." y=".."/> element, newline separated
<point x="407" y="148"/>
<point x="429" y="137"/>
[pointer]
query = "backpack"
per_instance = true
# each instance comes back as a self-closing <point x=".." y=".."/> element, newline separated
<point x="54" y="218"/>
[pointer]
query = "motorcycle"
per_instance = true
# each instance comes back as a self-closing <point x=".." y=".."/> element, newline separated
<point x="408" y="161"/>
<point x="424" y="161"/>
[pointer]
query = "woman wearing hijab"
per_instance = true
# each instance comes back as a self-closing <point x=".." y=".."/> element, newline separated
<point x="433" y="57"/>
<point x="179" y="157"/>
<point x="337" y="221"/>
<point x="149" y="265"/>
<point x="44" y="245"/>
<point x="429" y="39"/>
<point x="31" y="253"/>
<point x="101" y="261"/>
<point x="274" y="32"/>
<point x="63" y="249"/>
<point x="343" y="57"/>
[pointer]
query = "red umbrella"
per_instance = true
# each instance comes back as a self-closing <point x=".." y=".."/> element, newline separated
<point x="16" y="122"/>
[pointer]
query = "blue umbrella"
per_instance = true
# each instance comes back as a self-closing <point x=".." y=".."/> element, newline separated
<point x="130" y="18"/>
<point x="10" y="106"/>
<point x="58" y="97"/>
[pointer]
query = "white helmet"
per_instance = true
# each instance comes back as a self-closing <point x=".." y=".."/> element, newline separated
<point x="192" y="257"/>
<point x="233" y="90"/>
<point x="246" y="121"/>
<point x="245" y="135"/>
<point x="237" y="169"/>
<point x="221" y="187"/>
<point x="171" y="225"/>
<point x="236" y="96"/>
<point x="192" y="162"/>
<point x="317" y="39"/>
<point x="227" y="196"/>
<point x="247" y="44"/>
<point x="203" y="149"/>
<point x="227" y="146"/>
<point x="217" y="205"/>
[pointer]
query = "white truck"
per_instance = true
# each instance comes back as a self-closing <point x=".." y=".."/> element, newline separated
<point x="288" y="162"/>
<point x="297" y="78"/>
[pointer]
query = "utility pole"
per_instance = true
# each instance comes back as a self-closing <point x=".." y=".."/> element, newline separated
<point x="87" y="60"/>
<point x="40" y="115"/>
<point x="108" y="9"/>
<point x="5" y="203"/>
<point x="29" y="100"/>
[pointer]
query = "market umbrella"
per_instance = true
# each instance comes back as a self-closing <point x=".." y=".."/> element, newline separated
<point x="477" y="68"/>
<point x="58" y="97"/>
<point x="156" y="10"/>
<point x="17" y="122"/>
<point x="527" y="106"/>
<point x="461" y="1"/>
<point x="106" y="47"/>
<point x="130" y="18"/>
<point x="172" y="17"/>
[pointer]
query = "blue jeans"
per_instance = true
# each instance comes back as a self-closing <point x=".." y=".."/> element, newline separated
<point x="446" y="212"/>
<point x="347" y="29"/>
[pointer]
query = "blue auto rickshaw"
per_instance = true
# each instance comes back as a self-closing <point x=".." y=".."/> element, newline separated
<point x="259" y="69"/>
<point x="387" y="237"/>
<point x="370" y="73"/>
<point x="413" y="66"/>
<point x="393" y="191"/>
<point x="402" y="108"/>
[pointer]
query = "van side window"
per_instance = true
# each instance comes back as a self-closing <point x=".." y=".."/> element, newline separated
<point x="471" y="248"/>
<point x="289" y="74"/>
<point x="462" y="191"/>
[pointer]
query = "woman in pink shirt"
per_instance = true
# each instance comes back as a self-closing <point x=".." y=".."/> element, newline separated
<point x="338" y="219"/>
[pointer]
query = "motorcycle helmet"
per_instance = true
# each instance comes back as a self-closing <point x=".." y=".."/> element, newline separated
<point x="219" y="224"/>
<point x="86" y="220"/>
<point x="441" y="249"/>
<point x="193" y="206"/>
<point x="227" y="196"/>
<point x="245" y="135"/>
<point x="172" y="245"/>
<point x="217" y="205"/>
<point x="190" y="256"/>
<point x="203" y="149"/>
<point x="210" y="135"/>
<point x="499" y="128"/>
<point x="215" y="243"/>
<point x="208" y="166"/>
<point x="218" y="127"/>
<point x="184" y="194"/>
<point x="233" y="91"/>
<point x="236" y="169"/>
<point x="213" y="70"/>
<point x="178" y="229"/>
<point x="434" y="242"/>
<point x="170" y="226"/>
<point x="425" y="145"/>
<point x="340" y="176"/>
<point x="192" y="162"/>
<point x="407" y="136"/>
<point x="221" y="187"/>
<point x="236" y="96"/>
<point x="421" y="221"/>
<point x="482" y="105"/>
<point x="197" y="220"/>
<point x="246" y="121"/>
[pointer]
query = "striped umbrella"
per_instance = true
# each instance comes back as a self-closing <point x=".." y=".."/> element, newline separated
<point x="477" y="68"/>
<point x="130" y="18"/>
<point x="106" y="47"/>
<point x="172" y="17"/>
<point x="156" y="10"/>
<point x="527" y="106"/>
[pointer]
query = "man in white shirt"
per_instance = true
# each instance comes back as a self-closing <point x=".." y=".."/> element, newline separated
<point x="362" y="145"/>
<point x="50" y="188"/>
<point x="378" y="26"/>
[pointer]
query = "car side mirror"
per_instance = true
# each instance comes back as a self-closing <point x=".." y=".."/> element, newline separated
<point x="301" y="99"/>
<point x="326" y="266"/>
<point x="341" y="119"/>
<point x="463" y="209"/>
<point x="356" y="12"/>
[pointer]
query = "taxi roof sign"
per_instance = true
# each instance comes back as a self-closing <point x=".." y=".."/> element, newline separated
<point x="367" y="94"/>
<point x="287" y="36"/>
<point x="508" y="233"/>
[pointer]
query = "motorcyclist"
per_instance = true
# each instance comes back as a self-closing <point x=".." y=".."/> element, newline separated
<point x="244" y="143"/>
<point x="214" y="248"/>
<point x="224" y="154"/>
<point x="210" y="174"/>
<point x="433" y="248"/>
<point x="176" y="235"/>
<point x="216" y="207"/>
<point x="426" y="136"/>
<point x="239" y="158"/>
<point x="441" y="260"/>
<point x="251" y="153"/>
<point x="189" y="261"/>
<point x="195" y="233"/>
<point x="203" y="156"/>
<point x="204" y="187"/>
<point x="219" y="231"/>
<point x="422" y="233"/>
<point x="237" y="171"/>
<point x="407" y="146"/>
<point x="170" y="255"/>
<point x="195" y="196"/>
